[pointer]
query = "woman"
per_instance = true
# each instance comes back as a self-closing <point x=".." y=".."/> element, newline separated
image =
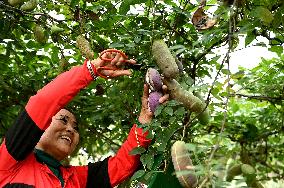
<point x="45" y="133"/>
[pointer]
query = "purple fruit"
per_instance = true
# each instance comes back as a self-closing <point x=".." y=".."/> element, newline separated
<point x="154" y="80"/>
<point x="153" y="100"/>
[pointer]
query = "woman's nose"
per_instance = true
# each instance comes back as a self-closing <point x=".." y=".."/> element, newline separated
<point x="69" y="128"/>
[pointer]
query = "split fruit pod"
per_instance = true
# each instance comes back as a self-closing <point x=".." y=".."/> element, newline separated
<point x="154" y="80"/>
<point x="153" y="100"/>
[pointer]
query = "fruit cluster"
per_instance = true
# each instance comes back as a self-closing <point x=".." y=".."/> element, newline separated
<point x="170" y="70"/>
<point x="25" y="6"/>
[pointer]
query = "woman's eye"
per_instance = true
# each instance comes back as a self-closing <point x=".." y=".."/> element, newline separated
<point x="76" y="128"/>
<point x="64" y="120"/>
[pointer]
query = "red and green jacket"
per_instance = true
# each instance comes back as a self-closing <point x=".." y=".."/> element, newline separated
<point x="19" y="166"/>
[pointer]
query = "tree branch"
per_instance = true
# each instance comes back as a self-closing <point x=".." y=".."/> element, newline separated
<point x="173" y="29"/>
<point x="105" y="137"/>
<point x="13" y="9"/>
<point x="258" y="97"/>
<point x="266" y="35"/>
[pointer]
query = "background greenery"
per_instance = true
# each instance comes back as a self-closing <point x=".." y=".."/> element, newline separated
<point x="246" y="107"/>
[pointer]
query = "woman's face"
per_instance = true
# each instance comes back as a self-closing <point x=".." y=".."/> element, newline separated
<point x="61" y="137"/>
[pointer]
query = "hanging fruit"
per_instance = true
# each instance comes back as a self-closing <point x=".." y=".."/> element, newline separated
<point x="39" y="34"/>
<point x="84" y="47"/>
<point x="29" y="5"/>
<point x="15" y="2"/>
<point x="154" y="80"/>
<point x="183" y="96"/>
<point x="164" y="59"/>
<point x="203" y="117"/>
<point x="55" y="29"/>
<point x="233" y="171"/>
<point x="154" y="100"/>
<point x="182" y="162"/>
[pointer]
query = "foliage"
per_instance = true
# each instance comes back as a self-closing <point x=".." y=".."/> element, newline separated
<point x="246" y="107"/>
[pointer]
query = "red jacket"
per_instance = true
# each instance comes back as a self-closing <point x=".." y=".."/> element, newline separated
<point x="18" y="164"/>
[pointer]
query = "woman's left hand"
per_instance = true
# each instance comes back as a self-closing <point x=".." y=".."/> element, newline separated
<point x="146" y="115"/>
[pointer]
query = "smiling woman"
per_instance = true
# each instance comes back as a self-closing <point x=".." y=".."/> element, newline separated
<point x="61" y="137"/>
<point x="46" y="133"/>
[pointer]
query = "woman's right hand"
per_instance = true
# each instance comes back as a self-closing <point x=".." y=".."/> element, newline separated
<point x="117" y="60"/>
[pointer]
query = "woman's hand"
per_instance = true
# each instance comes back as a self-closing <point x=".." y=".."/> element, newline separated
<point x="117" y="61"/>
<point x="146" y="115"/>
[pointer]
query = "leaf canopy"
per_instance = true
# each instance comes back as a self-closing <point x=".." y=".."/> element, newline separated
<point x="246" y="107"/>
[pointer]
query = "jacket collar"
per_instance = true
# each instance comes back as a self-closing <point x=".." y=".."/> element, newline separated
<point x="47" y="159"/>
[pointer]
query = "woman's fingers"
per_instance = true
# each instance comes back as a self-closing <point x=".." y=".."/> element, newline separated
<point x="145" y="107"/>
<point x="146" y="91"/>
<point x="116" y="58"/>
<point x="121" y="61"/>
<point x="114" y="62"/>
<point x="164" y="98"/>
<point x="116" y="73"/>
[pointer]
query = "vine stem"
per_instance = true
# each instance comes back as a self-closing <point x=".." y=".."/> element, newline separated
<point x="225" y="113"/>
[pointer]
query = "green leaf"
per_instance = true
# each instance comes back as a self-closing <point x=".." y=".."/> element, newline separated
<point x="74" y="3"/>
<point x="164" y="136"/>
<point x="191" y="147"/>
<point x="263" y="14"/>
<point x="147" y="159"/>
<point x="249" y="38"/>
<point x="180" y="111"/>
<point x="169" y="110"/>
<point x="117" y="45"/>
<point x="177" y="47"/>
<point x="277" y="49"/>
<point x="235" y="107"/>
<point x="124" y="8"/>
<point x="225" y="71"/>
<point x="158" y="110"/>
<point x="54" y="56"/>
<point x="137" y="151"/>
<point x="137" y="39"/>
<point x="138" y="174"/>
<point x="125" y="5"/>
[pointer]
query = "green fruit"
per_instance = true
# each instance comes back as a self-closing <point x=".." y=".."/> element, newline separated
<point x="182" y="162"/>
<point x="15" y="2"/>
<point x="203" y="117"/>
<point x="84" y="47"/>
<point x="39" y="34"/>
<point x="247" y="170"/>
<point x="55" y="29"/>
<point x="235" y="170"/>
<point x="183" y="96"/>
<point x="164" y="59"/>
<point x="29" y="5"/>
